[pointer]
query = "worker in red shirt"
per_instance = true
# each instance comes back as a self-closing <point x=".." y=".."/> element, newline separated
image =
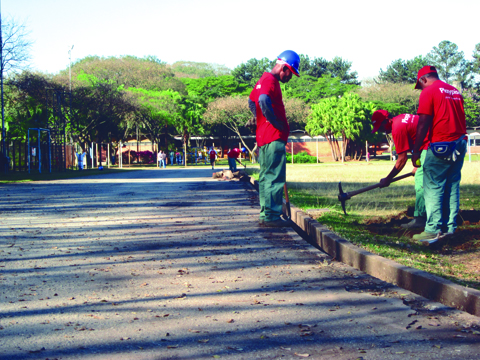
<point x="272" y="130"/>
<point x="442" y="116"/>
<point x="403" y="129"/>
<point x="213" y="156"/>
<point x="233" y="155"/>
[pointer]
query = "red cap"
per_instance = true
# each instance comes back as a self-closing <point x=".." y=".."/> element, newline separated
<point x="378" y="117"/>
<point x="424" y="71"/>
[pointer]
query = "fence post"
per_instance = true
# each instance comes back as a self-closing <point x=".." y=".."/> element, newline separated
<point x="366" y="151"/>
<point x="469" y="151"/>
<point x="292" y="151"/>
<point x="317" y="150"/>
<point x="91" y="155"/>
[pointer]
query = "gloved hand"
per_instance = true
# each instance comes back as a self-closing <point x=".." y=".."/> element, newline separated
<point x="384" y="183"/>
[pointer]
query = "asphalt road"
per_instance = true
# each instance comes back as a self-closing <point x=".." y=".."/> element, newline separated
<point x="170" y="264"/>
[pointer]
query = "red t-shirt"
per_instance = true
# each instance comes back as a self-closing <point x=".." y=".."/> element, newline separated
<point x="404" y="131"/>
<point x="234" y="153"/>
<point x="212" y="154"/>
<point x="266" y="132"/>
<point x="445" y="103"/>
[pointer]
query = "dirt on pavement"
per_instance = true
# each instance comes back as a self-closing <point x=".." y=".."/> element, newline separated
<point x="172" y="264"/>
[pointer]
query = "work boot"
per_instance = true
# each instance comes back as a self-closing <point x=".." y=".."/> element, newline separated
<point x="426" y="236"/>
<point x="416" y="223"/>
<point x="280" y="223"/>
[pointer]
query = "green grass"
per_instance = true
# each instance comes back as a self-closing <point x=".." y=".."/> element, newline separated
<point x="315" y="186"/>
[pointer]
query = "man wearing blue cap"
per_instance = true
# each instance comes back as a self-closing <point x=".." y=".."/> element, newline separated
<point x="266" y="104"/>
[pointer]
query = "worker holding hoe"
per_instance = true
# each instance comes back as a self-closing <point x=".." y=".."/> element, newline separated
<point x="403" y="129"/>
<point x="272" y="130"/>
<point x="442" y="121"/>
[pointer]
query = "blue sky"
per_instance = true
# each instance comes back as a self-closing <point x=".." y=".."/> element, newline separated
<point x="370" y="34"/>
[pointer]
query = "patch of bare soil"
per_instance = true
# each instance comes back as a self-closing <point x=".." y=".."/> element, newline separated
<point x="463" y="248"/>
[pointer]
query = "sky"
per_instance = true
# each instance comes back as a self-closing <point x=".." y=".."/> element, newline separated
<point x="369" y="33"/>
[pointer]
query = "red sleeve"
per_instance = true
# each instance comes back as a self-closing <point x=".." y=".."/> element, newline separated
<point x="425" y="104"/>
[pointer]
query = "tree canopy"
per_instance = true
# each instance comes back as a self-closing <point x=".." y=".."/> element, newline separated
<point x="403" y="71"/>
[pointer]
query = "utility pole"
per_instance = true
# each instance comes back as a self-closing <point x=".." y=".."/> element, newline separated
<point x="4" y="154"/>
<point x="70" y="67"/>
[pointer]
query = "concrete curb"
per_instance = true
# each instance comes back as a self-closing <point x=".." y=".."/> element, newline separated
<point x="418" y="281"/>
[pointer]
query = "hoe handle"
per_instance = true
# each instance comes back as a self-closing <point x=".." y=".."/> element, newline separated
<point x="371" y="187"/>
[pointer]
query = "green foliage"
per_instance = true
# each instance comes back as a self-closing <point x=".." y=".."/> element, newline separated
<point x="312" y="90"/>
<point x="157" y="110"/>
<point x="253" y="69"/>
<point x="404" y="95"/>
<point x="302" y="158"/>
<point x="320" y="67"/>
<point x="346" y="117"/>
<point x="476" y="59"/>
<point x="450" y="63"/>
<point x="472" y="108"/>
<point x="248" y="73"/>
<point x="403" y="71"/>
<point x="146" y="73"/>
<point x="214" y="87"/>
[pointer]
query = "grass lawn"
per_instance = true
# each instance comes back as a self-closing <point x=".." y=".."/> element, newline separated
<point x="374" y="217"/>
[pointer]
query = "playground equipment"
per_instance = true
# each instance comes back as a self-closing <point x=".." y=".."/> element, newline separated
<point x="30" y="149"/>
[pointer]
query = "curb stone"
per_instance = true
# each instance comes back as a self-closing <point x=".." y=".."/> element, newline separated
<point x="420" y="282"/>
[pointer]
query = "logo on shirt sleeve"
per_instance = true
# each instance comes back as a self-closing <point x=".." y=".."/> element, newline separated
<point x="258" y="86"/>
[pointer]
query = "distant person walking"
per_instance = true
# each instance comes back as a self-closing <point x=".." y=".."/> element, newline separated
<point x="213" y="157"/>
<point x="179" y="158"/>
<point x="172" y="155"/>
<point x="80" y="159"/>
<point x="159" y="158"/>
<point x="163" y="158"/>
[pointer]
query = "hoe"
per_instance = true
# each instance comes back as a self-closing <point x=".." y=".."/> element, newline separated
<point x="343" y="197"/>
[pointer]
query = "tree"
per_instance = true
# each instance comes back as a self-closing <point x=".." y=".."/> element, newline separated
<point x="340" y="68"/>
<point x="147" y="73"/>
<point x="213" y="87"/>
<point x="336" y="68"/>
<point x="448" y="60"/>
<point x="398" y="98"/>
<point x="472" y="108"/>
<point x="15" y="45"/>
<point x="249" y="72"/>
<point x="189" y="121"/>
<point x="476" y="59"/>
<point x="311" y="89"/>
<point x="403" y="71"/>
<point x="156" y="111"/>
<point x="232" y="112"/>
<point x="192" y="69"/>
<point x="339" y="117"/>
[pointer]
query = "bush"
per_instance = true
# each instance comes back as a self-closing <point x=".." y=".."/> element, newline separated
<point x="301" y="158"/>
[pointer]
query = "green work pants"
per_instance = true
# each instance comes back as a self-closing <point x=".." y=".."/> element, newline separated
<point x="419" y="198"/>
<point x="273" y="162"/>
<point x="441" y="185"/>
